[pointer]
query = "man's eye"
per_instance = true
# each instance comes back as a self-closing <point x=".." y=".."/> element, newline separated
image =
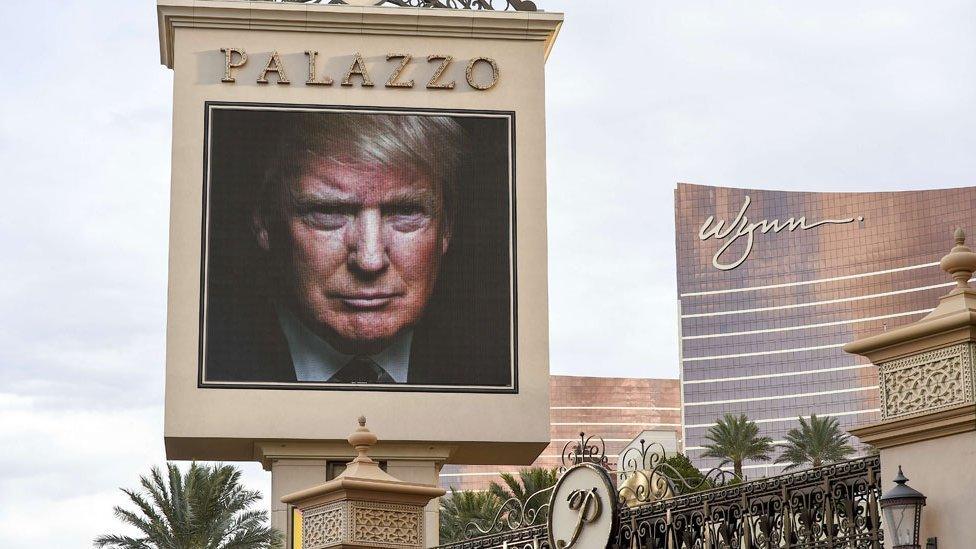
<point x="326" y="220"/>
<point x="405" y="210"/>
<point x="407" y="219"/>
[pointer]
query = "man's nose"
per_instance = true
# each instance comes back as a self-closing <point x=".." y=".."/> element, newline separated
<point x="368" y="252"/>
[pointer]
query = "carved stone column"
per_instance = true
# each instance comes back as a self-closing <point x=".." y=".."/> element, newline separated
<point x="364" y="506"/>
<point x="927" y="380"/>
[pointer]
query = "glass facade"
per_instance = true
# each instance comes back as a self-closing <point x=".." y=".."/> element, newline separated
<point x="616" y="409"/>
<point x="764" y="319"/>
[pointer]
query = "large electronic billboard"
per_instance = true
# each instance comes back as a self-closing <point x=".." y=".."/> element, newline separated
<point x="357" y="228"/>
<point x="357" y="248"/>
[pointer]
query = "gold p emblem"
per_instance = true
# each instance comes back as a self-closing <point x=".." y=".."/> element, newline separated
<point x="587" y="502"/>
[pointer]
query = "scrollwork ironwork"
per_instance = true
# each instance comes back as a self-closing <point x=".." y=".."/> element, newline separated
<point x="643" y="475"/>
<point x="514" y="514"/>
<point x="826" y="507"/>
<point x="533" y="537"/>
<point x="645" y="457"/>
<point x="587" y="450"/>
<point x="831" y="506"/>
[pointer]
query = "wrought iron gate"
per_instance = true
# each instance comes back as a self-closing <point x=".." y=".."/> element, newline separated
<point x="829" y="507"/>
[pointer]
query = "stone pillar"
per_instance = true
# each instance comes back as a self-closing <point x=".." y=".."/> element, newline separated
<point x="365" y="506"/>
<point x="928" y="404"/>
<point x="298" y="465"/>
<point x="289" y="476"/>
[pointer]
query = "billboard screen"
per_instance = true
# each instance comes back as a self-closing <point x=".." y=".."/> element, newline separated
<point x="348" y="248"/>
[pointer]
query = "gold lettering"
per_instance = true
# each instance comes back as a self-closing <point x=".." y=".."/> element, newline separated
<point x="274" y="65"/>
<point x="587" y="502"/>
<point x="229" y="63"/>
<point x="358" y="67"/>
<point x="469" y="73"/>
<point x="445" y="60"/>
<point x="311" y="81"/>
<point x="392" y="82"/>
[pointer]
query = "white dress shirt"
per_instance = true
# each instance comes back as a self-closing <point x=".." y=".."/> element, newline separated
<point x="316" y="360"/>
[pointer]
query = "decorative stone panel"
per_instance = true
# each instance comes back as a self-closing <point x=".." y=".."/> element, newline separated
<point x="927" y="382"/>
<point x="386" y="525"/>
<point x="323" y="526"/>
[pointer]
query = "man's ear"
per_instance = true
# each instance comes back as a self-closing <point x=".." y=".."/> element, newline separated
<point x="446" y="239"/>
<point x="260" y="228"/>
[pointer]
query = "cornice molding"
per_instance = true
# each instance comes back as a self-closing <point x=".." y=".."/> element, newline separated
<point x="300" y="17"/>
<point x="268" y="451"/>
<point x="953" y="321"/>
<point x="960" y="419"/>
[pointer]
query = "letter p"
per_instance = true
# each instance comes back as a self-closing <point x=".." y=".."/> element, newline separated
<point x="230" y="65"/>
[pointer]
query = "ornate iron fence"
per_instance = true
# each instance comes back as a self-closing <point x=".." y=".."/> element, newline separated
<point x="835" y="506"/>
<point x="531" y="537"/>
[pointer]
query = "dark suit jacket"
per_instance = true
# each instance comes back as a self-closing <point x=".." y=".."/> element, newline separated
<point x="245" y="344"/>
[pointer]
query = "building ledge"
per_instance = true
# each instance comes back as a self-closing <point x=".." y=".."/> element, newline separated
<point x="953" y="321"/>
<point x="952" y="421"/>
<point x="281" y="16"/>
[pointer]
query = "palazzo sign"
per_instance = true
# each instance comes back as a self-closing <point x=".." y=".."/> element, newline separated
<point x="741" y="227"/>
<point x="481" y="73"/>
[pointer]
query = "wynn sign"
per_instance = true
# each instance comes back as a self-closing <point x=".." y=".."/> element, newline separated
<point x="741" y="227"/>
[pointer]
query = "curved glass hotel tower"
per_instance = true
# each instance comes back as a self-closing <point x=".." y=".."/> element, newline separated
<point x="772" y="284"/>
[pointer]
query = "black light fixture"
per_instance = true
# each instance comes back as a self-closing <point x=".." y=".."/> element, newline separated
<point x="902" y="509"/>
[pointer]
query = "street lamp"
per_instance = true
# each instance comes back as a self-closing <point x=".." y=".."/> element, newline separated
<point x="902" y="508"/>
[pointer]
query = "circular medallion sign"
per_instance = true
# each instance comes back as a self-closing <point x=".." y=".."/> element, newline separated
<point x="582" y="509"/>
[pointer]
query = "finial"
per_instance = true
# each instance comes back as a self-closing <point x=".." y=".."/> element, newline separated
<point x="362" y="439"/>
<point x="960" y="263"/>
<point x="900" y="477"/>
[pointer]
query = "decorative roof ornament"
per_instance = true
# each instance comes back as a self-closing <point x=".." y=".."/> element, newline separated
<point x="362" y="440"/>
<point x="364" y="506"/>
<point x="362" y="466"/>
<point x="516" y="5"/>
<point x="960" y="262"/>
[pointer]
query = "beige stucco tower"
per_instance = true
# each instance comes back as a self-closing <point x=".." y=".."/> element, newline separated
<point x="373" y="58"/>
<point x="927" y="374"/>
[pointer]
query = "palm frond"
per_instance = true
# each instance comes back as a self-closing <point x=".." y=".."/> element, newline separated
<point x="203" y="507"/>
<point x="818" y="442"/>
<point x="735" y="440"/>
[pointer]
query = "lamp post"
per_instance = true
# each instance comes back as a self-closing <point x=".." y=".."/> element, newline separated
<point x="902" y="509"/>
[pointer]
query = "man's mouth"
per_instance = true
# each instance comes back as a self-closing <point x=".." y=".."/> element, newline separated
<point x="366" y="300"/>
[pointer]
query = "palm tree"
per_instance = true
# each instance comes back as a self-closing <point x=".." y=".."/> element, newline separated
<point x="462" y="508"/>
<point x="530" y="482"/>
<point x="818" y="442"/>
<point x="736" y="439"/>
<point x="205" y="507"/>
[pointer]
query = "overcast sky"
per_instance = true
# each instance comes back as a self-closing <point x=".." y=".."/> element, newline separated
<point x="641" y="94"/>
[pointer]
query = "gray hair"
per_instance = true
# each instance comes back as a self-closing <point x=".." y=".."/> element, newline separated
<point x="432" y="145"/>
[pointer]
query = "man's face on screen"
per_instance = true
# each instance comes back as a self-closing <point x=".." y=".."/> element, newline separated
<point x="366" y="245"/>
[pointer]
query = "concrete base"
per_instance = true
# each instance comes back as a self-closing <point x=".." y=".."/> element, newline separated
<point x="298" y="466"/>
<point x="936" y="451"/>
<point x="942" y="469"/>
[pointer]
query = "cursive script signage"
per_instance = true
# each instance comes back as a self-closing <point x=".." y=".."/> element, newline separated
<point x="582" y="509"/>
<point x="741" y="227"/>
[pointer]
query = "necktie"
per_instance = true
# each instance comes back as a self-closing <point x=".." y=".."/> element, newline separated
<point x="361" y="369"/>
